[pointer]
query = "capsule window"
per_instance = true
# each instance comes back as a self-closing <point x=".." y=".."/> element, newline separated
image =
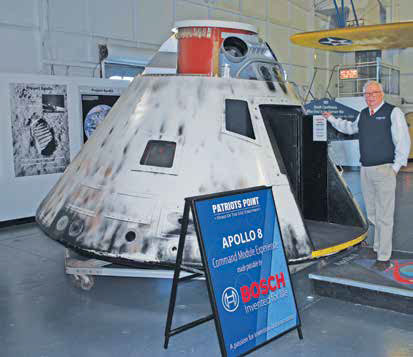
<point x="238" y="118"/>
<point x="159" y="153"/>
<point x="265" y="73"/>
<point x="235" y="47"/>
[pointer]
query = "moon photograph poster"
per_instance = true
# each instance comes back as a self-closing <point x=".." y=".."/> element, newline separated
<point x="40" y="130"/>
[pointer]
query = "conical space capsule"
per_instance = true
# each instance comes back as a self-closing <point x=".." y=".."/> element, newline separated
<point x="213" y="112"/>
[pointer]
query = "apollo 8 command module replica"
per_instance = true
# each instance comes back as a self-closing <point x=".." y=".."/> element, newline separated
<point x="212" y="112"/>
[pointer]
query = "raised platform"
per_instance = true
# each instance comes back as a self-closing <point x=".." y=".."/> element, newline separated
<point x="353" y="278"/>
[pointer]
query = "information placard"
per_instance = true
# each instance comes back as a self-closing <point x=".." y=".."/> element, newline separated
<point x="319" y="128"/>
<point x="246" y="268"/>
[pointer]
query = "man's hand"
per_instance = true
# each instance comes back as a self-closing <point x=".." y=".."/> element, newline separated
<point x="326" y="114"/>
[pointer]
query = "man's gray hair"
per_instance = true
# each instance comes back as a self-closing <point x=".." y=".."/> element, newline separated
<point x="370" y="83"/>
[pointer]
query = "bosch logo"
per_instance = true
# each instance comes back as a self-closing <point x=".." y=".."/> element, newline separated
<point x="230" y="299"/>
<point x="262" y="288"/>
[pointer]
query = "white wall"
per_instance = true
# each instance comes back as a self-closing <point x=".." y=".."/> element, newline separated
<point x="61" y="37"/>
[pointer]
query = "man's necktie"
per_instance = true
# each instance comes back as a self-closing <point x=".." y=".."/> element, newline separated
<point x="371" y="112"/>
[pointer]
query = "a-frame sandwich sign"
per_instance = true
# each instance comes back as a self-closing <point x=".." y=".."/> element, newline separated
<point x="246" y="270"/>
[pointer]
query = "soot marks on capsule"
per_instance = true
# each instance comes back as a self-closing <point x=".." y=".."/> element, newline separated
<point x="123" y="248"/>
<point x="100" y="210"/>
<point x="103" y="142"/>
<point x="108" y="171"/>
<point x="145" y="246"/>
<point x="253" y="84"/>
<point x="161" y="254"/>
<point x="191" y="226"/>
<point x="111" y="130"/>
<point x="85" y="199"/>
<point x="162" y="128"/>
<point x="156" y="86"/>
<point x="159" y="83"/>
<point x="173" y="232"/>
<point x="181" y="129"/>
<point x="200" y="92"/>
<point x="125" y="149"/>
<point x="113" y="239"/>
<point x="293" y="251"/>
<point x="119" y="168"/>
<point x="96" y="169"/>
<point x="224" y="187"/>
<point x="179" y="101"/>
<point x="202" y="189"/>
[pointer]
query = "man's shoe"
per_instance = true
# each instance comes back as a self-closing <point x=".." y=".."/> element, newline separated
<point x="381" y="265"/>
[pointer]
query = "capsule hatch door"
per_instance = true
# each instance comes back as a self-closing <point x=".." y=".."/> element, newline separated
<point x="330" y="213"/>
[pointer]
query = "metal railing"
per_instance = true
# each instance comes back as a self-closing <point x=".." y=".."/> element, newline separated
<point x="352" y="78"/>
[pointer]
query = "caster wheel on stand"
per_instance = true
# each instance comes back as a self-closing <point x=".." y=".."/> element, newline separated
<point x="84" y="282"/>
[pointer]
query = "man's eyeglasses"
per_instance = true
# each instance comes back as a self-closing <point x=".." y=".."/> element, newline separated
<point x="370" y="94"/>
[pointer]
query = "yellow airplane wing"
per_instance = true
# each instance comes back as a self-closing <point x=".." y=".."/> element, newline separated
<point x="349" y="39"/>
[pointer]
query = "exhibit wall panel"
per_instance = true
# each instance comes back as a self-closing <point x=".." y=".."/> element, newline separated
<point x="300" y="55"/>
<point x="42" y="131"/>
<point x="279" y="12"/>
<point x="76" y="48"/>
<point x="19" y="50"/>
<point x="74" y="19"/>
<point x="185" y="10"/>
<point x="222" y="15"/>
<point x="300" y="19"/>
<point x="233" y="5"/>
<point x="25" y="16"/>
<point x="257" y="8"/>
<point x="112" y="19"/>
<point x="148" y="30"/>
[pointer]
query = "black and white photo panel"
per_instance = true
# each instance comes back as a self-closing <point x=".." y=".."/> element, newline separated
<point x="40" y="129"/>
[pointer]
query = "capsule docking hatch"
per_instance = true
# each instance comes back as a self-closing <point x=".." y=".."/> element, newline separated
<point x="226" y="119"/>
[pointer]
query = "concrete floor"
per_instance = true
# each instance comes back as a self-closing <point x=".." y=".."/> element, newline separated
<point x="43" y="314"/>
